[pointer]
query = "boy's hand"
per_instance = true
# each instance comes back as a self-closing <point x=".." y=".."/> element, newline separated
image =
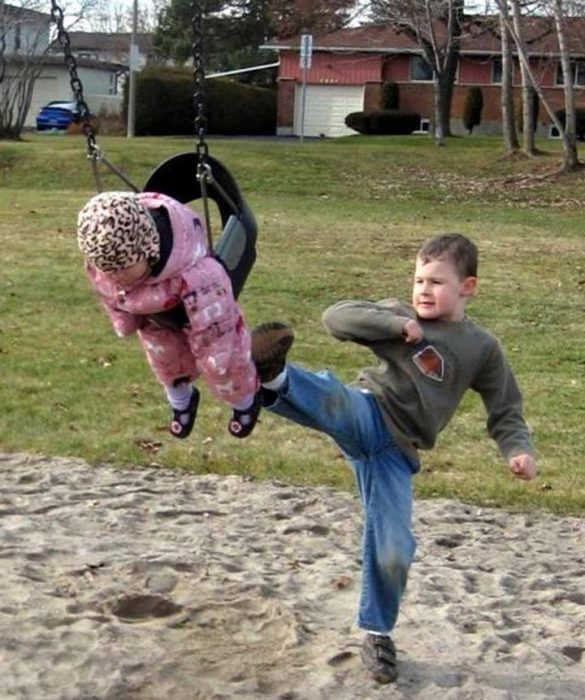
<point x="523" y="467"/>
<point x="412" y="332"/>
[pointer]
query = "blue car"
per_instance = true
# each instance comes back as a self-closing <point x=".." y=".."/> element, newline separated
<point x="58" y="114"/>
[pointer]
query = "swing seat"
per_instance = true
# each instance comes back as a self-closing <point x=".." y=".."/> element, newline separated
<point x="236" y="247"/>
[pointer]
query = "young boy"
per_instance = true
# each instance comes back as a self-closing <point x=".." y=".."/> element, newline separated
<point x="429" y="354"/>
<point x="147" y="258"/>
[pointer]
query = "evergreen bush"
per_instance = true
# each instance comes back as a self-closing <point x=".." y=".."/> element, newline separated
<point x="383" y="121"/>
<point x="390" y="95"/>
<point x="580" y="125"/>
<point x="472" y="108"/>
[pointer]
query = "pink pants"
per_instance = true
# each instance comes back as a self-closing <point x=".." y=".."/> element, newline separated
<point x="216" y="344"/>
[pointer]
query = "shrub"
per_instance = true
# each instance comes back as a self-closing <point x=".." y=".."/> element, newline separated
<point x="580" y="125"/>
<point x="472" y="108"/>
<point x="390" y="95"/>
<point x="165" y="105"/>
<point x="383" y="121"/>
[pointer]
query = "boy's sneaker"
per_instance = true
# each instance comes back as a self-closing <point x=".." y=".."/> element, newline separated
<point x="243" y="422"/>
<point x="182" y="422"/>
<point x="379" y="655"/>
<point x="270" y="343"/>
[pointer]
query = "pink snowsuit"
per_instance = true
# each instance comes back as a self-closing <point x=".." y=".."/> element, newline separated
<point x="216" y="342"/>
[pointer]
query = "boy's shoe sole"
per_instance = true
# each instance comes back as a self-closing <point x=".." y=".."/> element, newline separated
<point x="379" y="655"/>
<point x="270" y="344"/>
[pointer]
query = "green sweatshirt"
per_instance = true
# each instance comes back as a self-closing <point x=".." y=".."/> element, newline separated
<point x="420" y="385"/>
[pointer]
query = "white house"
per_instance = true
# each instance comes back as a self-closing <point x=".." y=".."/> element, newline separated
<point x="26" y="35"/>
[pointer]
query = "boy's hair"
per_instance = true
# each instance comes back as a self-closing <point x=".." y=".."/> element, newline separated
<point x="457" y="249"/>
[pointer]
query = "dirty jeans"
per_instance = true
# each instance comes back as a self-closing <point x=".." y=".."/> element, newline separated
<point x="352" y="418"/>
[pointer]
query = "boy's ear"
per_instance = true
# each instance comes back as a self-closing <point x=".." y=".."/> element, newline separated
<point x="469" y="286"/>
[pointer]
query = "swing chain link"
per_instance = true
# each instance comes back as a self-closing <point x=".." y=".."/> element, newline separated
<point x="204" y="174"/>
<point x="199" y="98"/>
<point x="57" y="16"/>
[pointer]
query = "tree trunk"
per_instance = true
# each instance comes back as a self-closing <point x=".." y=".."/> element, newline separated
<point x="570" y="156"/>
<point x="511" y="143"/>
<point x="439" y="113"/>
<point x="528" y="145"/>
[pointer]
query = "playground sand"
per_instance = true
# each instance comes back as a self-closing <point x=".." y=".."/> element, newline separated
<point x="146" y="584"/>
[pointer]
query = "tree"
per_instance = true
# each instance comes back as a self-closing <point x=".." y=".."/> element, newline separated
<point x="472" y="108"/>
<point x="436" y="27"/>
<point x="233" y="31"/>
<point x="511" y="143"/>
<point x="561" y="11"/>
<point x="289" y="18"/>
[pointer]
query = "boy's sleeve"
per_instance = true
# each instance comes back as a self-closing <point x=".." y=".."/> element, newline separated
<point x="503" y="402"/>
<point x="366" y="322"/>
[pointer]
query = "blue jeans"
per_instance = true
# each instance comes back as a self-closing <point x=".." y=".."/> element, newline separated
<point x="352" y="418"/>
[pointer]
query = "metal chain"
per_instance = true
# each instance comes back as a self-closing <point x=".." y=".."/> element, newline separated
<point x="57" y="17"/>
<point x="204" y="174"/>
<point x="94" y="153"/>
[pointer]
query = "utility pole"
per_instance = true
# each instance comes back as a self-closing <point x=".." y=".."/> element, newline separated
<point x="132" y="66"/>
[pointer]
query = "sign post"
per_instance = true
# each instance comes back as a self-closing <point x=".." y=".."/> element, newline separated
<point x="305" y="64"/>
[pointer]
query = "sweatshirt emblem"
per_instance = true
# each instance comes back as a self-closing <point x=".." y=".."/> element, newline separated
<point x="431" y="363"/>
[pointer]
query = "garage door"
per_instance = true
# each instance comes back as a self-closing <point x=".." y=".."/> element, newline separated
<point x="326" y="107"/>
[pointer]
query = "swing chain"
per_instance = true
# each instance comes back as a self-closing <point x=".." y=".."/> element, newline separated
<point x="204" y="174"/>
<point x="199" y="79"/>
<point x="93" y="152"/>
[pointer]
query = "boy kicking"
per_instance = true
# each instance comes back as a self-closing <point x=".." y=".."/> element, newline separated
<point x="429" y="353"/>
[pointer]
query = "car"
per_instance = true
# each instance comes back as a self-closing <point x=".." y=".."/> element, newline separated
<point x="58" y="114"/>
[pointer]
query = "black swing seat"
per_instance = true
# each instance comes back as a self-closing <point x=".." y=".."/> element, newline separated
<point x="236" y="247"/>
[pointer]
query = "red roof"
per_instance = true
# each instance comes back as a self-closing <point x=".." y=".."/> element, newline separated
<point x="539" y="34"/>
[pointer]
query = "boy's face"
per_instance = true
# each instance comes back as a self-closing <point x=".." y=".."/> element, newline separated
<point x="438" y="293"/>
<point x="130" y="275"/>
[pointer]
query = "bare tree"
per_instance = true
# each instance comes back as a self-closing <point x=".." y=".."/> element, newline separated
<point x="24" y="42"/>
<point x="568" y="136"/>
<point x="436" y="27"/>
<point x="511" y="143"/>
<point x="109" y="16"/>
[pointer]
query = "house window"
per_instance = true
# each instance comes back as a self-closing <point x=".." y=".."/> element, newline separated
<point x="577" y="73"/>
<point x="420" y="70"/>
<point x="497" y="71"/>
<point x="17" y="38"/>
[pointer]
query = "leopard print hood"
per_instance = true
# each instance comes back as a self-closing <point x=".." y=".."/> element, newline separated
<point x="115" y="231"/>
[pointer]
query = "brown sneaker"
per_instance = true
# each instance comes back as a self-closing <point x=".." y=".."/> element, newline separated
<point x="379" y="655"/>
<point x="270" y="343"/>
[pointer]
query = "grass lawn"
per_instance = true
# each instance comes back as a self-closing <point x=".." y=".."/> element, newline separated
<point x="337" y="219"/>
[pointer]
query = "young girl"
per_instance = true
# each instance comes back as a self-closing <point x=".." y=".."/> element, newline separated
<point x="147" y="258"/>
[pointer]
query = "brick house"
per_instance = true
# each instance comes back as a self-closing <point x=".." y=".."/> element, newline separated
<point x="349" y="66"/>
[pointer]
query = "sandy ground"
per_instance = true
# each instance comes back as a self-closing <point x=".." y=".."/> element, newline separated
<point x="147" y="584"/>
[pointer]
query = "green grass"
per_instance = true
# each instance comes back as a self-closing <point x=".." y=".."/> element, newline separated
<point x="337" y="219"/>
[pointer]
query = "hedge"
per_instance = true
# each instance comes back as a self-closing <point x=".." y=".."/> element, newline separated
<point x="165" y="105"/>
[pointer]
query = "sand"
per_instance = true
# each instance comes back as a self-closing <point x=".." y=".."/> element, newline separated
<point x="148" y="584"/>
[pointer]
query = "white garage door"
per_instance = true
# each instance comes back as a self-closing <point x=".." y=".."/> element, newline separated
<point x="326" y="107"/>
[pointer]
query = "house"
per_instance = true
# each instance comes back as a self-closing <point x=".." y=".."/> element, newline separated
<point x="27" y="52"/>
<point x="349" y="67"/>
<point x="113" y="47"/>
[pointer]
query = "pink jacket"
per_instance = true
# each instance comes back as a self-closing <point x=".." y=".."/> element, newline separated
<point x="216" y="343"/>
<point x="126" y="306"/>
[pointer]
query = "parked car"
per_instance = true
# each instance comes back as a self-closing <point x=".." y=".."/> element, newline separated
<point x="58" y="114"/>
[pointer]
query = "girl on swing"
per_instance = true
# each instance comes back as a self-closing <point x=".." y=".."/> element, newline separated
<point x="147" y="258"/>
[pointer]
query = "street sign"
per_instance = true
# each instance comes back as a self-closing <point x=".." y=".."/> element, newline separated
<point x="306" y="50"/>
